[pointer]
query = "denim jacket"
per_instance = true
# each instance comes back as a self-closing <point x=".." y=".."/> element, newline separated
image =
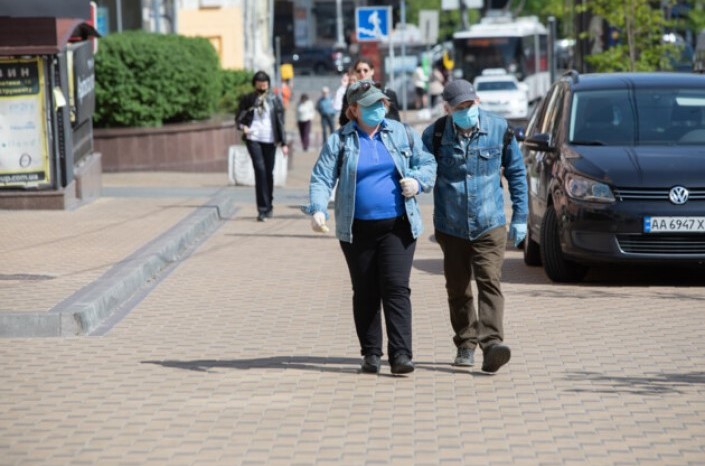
<point x="419" y="165"/>
<point x="468" y="196"/>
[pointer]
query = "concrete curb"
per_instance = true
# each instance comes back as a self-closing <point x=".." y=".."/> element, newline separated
<point x="82" y="312"/>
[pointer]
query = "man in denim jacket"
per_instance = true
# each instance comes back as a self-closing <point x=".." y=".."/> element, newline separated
<point x="469" y="219"/>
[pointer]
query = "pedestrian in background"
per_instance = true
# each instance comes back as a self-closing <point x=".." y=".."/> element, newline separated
<point x="364" y="69"/>
<point x="327" y="112"/>
<point x="420" y="83"/>
<point x="435" y="85"/>
<point x="345" y="81"/>
<point x="472" y="147"/>
<point x="304" y="116"/>
<point x="286" y="93"/>
<point x="380" y="167"/>
<point x="260" y="117"/>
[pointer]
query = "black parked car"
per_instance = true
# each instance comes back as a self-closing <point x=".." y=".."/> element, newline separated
<point x="616" y="172"/>
<point x="318" y="60"/>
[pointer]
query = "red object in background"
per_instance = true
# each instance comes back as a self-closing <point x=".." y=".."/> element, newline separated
<point x="370" y="51"/>
<point x="86" y="30"/>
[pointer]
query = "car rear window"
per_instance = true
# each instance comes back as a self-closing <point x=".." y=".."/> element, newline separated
<point x="496" y="86"/>
<point x="642" y="116"/>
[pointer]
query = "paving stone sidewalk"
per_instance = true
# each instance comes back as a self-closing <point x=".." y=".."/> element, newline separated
<point x="244" y="352"/>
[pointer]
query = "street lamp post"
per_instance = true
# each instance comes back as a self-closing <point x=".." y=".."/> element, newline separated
<point x="339" y="23"/>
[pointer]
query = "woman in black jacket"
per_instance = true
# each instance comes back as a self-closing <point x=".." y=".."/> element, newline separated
<point x="260" y="117"/>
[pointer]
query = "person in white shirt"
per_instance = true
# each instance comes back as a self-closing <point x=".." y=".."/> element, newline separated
<point x="304" y="114"/>
<point x="340" y="92"/>
<point x="420" y="82"/>
<point x="260" y="117"/>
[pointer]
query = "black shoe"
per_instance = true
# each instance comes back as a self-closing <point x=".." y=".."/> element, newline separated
<point x="465" y="357"/>
<point x="262" y="217"/>
<point x="370" y="364"/>
<point x="269" y="213"/>
<point x="402" y="364"/>
<point x="495" y="356"/>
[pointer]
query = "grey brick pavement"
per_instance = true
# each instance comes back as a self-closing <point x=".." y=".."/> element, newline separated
<point x="245" y="353"/>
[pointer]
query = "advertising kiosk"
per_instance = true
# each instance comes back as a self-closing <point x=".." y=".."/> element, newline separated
<point x="47" y="99"/>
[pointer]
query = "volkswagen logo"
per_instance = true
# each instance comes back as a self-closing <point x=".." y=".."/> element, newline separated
<point x="678" y="195"/>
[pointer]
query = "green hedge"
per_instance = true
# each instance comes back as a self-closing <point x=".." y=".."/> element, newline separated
<point x="145" y="79"/>
<point x="235" y="83"/>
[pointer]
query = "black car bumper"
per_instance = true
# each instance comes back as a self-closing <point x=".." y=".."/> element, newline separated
<point x="615" y="233"/>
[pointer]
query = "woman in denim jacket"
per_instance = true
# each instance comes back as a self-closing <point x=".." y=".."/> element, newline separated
<point x="379" y="171"/>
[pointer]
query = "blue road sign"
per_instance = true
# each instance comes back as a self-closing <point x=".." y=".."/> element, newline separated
<point x="373" y="23"/>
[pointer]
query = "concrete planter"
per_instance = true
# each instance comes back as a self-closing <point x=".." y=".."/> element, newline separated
<point x="186" y="147"/>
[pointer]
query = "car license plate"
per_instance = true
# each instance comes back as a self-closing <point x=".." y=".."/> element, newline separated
<point x="674" y="224"/>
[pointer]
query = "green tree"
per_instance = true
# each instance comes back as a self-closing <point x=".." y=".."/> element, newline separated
<point x="562" y="10"/>
<point x="449" y="21"/>
<point x="696" y="17"/>
<point x="640" y="46"/>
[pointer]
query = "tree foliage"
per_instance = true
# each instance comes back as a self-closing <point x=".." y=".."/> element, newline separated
<point x="449" y="21"/>
<point x="640" y="25"/>
<point x="640" y="28"/>
<point x="235" y="84"/>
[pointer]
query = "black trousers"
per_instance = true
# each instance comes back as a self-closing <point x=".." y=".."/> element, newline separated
<point x="379" y="260"/>
<point x="262" y="155"/>
<point x="305" y="133"/>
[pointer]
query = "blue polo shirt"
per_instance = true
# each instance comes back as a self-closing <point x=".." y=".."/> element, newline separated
<point x="378" y="193"/>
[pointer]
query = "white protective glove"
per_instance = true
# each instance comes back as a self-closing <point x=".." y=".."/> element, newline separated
<point x="318" y="223"/>
<point x="409" y="187"/>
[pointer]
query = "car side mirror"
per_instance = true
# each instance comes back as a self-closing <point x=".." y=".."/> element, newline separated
<point x="539" y="142"/>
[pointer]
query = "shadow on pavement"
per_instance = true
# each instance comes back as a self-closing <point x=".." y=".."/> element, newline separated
<point x="434" y="266"/>
<point x="306" y="363"/>
<point x="515" y="271"/>
<point x="316" y="236"/>
<point x="657" y="384"/>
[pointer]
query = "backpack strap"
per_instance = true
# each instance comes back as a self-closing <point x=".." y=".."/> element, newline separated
<point x="438" y="128"/>
<point x="440" y="125"/>
<point x="409" y="137"/>
<point x="507" y="141"/>
<point x="341" y="149"/>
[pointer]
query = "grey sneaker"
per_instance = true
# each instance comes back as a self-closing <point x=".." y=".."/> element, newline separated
<point x="465" y="357"/>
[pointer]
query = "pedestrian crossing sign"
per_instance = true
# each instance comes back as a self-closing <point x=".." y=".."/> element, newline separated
<point x="373" y="24"/>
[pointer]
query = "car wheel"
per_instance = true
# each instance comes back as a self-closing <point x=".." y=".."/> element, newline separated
<point x="532" y="251"/>
<point x="556" y="266"/>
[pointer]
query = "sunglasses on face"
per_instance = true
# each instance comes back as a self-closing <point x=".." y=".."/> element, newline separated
<point x="363" y="86"/>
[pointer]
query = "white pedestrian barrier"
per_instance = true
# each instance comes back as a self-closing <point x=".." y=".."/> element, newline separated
<point x="240" y="171"/>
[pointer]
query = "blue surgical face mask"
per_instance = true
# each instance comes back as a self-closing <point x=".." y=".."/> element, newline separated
<point x="374" y="114"/>
<point x="466" y="118"/>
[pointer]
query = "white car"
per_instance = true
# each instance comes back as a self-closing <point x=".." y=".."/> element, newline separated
<point x="502" y="94"/>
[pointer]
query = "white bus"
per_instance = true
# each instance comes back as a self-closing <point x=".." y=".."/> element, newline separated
<point x="519" y="45"/>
